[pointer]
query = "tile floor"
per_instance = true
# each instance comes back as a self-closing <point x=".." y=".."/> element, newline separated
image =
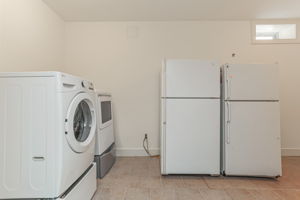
<point x="138" y="178"/>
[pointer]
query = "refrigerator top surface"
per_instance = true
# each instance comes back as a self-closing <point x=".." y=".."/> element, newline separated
<point x="191" y="79"/>
<point x="251" y="82"/>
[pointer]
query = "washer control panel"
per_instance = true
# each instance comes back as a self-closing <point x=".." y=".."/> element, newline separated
<point x="87" y="84"/>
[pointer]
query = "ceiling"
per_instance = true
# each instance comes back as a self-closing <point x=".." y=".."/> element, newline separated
<point x="165" y="10"/>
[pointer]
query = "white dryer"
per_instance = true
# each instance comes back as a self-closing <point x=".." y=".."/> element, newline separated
<point x="47" y="128"/>
<point x="105" y="142"/>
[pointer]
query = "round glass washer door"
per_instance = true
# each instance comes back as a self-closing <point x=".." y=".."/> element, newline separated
<point x="81" y="123"/>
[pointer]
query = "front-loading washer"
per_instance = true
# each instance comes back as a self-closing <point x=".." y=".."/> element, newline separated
<point x="47" y="136"/>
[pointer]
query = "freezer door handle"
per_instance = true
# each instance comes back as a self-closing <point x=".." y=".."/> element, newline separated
<point x="228" y="123"/>
<point x="227" y="83"/>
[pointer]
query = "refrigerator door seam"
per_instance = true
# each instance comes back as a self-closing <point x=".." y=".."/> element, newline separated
<point x="191" y="98"/>
<point x="252" y="100"/>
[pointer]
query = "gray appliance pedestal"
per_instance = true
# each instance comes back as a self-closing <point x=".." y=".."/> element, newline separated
<point x="105" y="161"/>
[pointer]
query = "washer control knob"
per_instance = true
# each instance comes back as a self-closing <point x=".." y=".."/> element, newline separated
<point x="83" y="84"/>
<point x="88" y="85"/>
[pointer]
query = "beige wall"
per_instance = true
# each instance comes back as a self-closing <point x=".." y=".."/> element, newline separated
<point x="124" y="58"/>
<point x="31" y="36"/>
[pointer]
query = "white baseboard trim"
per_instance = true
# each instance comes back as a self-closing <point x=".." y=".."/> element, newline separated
<point x="131" y="152"/>
<point x="290" y="151"/>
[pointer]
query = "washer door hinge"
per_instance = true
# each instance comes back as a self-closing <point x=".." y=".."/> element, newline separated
<point x="66" y="126"/>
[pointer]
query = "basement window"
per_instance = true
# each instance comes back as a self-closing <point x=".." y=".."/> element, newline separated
<point x="275" y="32"/>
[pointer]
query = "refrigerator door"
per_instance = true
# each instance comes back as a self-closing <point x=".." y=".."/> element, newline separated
<point x="192" y="136"/>
<point x="252" y="139"/>
<point x="191" y="78"/>
<point x="251" y="82"/>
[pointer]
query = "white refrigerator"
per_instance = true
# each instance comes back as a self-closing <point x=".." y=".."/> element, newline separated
<point x="251" y="120"/>
<point x="190" y="117"/>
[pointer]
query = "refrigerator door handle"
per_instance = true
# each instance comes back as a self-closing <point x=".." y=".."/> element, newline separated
<point x="228" y="134"/>
<point x="228" y="112"/>
<point x="228" y="123"/>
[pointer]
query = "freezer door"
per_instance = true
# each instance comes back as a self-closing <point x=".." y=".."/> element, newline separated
<point x="192" y="78"/>
<point x="252" y="139"/>
<point x="251" y="82"/>
<point x="192" y="140"/>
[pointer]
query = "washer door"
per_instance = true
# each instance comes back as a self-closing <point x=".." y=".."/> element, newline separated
<point x="80" y="123"/>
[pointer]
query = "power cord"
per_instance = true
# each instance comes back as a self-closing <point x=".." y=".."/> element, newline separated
<point x="146" y="147"/>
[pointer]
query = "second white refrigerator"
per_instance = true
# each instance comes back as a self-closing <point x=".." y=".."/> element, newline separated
<point x="251" y="120"/>
<point x="190" y="117"/>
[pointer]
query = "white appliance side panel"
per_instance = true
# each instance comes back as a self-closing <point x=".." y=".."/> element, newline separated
<point x="252" y="139"/>
<point x="26" y="139"/>
<point x="192" y="136"/>
<point x="163" y="136"/>
<point x="38" y="128"/>
<point x="104" y="139"/>
<point x="163" y="80"/>
<point x="252" y="82"/>
<point x="192" y="78"/>
<point x="11" y="123"/>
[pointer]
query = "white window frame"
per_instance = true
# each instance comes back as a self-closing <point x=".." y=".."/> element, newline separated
<point x="278" y="41"/>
